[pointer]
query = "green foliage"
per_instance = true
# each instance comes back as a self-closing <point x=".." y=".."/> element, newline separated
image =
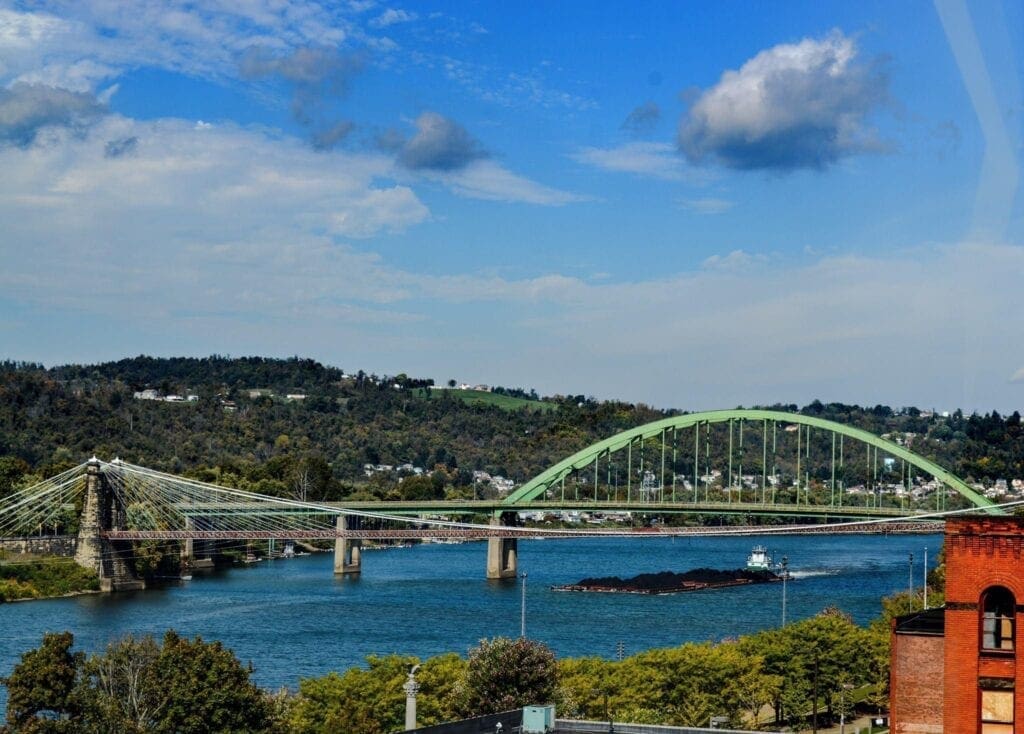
<point x="483" y="397"/>
<point x="44" y="577"/>
<point x="178" y="687"/>
<point x="504" y="674"/>
<point x="360" y="701"/>
<point x="41" y="688"/>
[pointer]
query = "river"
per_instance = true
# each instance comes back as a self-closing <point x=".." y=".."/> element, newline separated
<point x="292" y="618"/>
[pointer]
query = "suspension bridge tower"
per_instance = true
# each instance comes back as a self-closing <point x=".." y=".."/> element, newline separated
<point x="102" y="512"/>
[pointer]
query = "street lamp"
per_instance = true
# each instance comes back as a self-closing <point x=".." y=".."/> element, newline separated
<point x="522" y="607"/>
<point x="842" y="706"/>
<point x="785" y="575"/>
<point x="910" y="588"/>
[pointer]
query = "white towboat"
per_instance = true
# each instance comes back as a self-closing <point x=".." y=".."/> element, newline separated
<point x="759" y="559"/>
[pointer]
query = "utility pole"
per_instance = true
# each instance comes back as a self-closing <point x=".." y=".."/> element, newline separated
<point x="814" y="703"/>
<point x="522" y="607"/>
<point x="910" y="588"/>
<point x="926" y="578"/>
<point x="785" y="575"/>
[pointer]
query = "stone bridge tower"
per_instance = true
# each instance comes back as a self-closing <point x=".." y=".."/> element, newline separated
<point x="102" y="511"/>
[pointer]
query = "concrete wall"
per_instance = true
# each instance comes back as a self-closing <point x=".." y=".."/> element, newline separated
<point x="61" y="545"/>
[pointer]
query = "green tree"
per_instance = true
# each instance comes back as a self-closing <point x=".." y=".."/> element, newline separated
<point x="359" y="701"/>
<point x="41" y="688"/>
<point x="12" y="470"/>
<point x="504" y="674"/>
<point x="180" y="687"/>
<point x="207" y="689"/>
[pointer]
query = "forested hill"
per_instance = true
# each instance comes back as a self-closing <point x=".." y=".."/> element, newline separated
<point x="242" y="422"/>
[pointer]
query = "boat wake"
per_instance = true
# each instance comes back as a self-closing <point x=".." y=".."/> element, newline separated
<point x="810" y="573"/>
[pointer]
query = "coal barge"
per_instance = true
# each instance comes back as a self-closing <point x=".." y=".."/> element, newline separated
<point x="668" y="582"/>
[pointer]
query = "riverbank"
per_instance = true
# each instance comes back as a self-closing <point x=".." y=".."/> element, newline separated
<point x="29" y="578"/>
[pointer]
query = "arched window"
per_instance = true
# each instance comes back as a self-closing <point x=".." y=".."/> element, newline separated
<point x="997" y="606"/>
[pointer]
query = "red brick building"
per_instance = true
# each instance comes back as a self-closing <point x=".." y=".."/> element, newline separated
<point x="955" y="669"/>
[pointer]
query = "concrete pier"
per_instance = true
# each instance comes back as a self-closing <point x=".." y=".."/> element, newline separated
<point x="348" y="552"/>
<point x="188" y="545"/>
<point x="502" y="553"/>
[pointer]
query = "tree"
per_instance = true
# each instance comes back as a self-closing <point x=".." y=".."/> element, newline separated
<point x="12" y="469"/>
<point x="206" y="689"/>
<point x="41" y="688"/>
<point x="180" y="687"/>
<point x="504" y="674"/>
<point x="120" y="691"/>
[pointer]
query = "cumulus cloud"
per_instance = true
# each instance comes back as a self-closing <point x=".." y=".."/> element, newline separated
<point x="642" y="119"/>
<point x="328" y="137"/>
<point x="27" y="108"/>
<point x="439" y="144"/>
<point x="392" y="16"/>
<point x="801" y="105"/>
<point x="121" y="147"/>
<point x="656" y="160"/>
<point x="314" y="74"/>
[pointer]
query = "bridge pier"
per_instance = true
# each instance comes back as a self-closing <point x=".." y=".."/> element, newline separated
<point x="502" y="553"/>
<point x="348" y="552"/>
<point x="110" y="559"/>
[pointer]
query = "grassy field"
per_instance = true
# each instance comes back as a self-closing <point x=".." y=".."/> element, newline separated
<point x="481" y="397"/>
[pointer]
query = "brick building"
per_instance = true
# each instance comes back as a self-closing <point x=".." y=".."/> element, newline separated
<point x="955" y="669"/>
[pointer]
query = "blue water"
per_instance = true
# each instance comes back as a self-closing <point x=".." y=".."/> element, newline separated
<point x="293" y="618"/>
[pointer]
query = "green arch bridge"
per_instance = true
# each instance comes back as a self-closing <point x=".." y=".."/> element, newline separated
<point x="804" y="439"/>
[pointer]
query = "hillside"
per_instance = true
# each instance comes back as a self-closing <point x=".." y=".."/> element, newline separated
<point x="296" y="426"/>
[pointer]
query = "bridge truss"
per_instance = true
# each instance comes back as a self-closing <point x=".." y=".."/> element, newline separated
<point x="754" y="462"/>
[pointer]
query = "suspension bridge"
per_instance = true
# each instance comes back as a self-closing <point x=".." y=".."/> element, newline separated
<point x="797" y="466"/>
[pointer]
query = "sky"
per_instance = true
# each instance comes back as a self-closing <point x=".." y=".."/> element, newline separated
<point x="692" y="205"/>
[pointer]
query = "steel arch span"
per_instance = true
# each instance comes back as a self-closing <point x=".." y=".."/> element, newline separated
<point x="539" y="485"/>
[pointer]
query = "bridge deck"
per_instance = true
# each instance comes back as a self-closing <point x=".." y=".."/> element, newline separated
<point x="510" y="532"/>
<point x="487" y="507"/>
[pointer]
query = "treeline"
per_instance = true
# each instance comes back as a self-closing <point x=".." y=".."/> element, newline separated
<point x="54" y="418"/>
<point x="825" y="664"/>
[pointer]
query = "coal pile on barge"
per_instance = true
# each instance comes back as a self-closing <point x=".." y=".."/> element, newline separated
<point x="668" y="582"/>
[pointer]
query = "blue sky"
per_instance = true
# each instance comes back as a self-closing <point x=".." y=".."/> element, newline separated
<point x="691" y="205"/>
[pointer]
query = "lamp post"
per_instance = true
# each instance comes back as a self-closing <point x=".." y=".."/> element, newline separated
<point x="910" y="587"/>
<point x="522" y="607"/>
<point x="925" y="572"/>
<point x="785" y="575"/>
<point x="842" y="706"/>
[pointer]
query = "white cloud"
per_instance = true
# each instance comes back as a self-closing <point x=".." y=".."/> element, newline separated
<point x="707" y="205"/>
<point x="735" y="260"/>
<point x="392" y="16"/>
<point x="227" y="239"/>
<point x="190" y="215"/>
<point x="656" y="160"/>
<point x="486" y="179"/>
<point x="801" y="105"/>
<point x="201" y="40"/>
